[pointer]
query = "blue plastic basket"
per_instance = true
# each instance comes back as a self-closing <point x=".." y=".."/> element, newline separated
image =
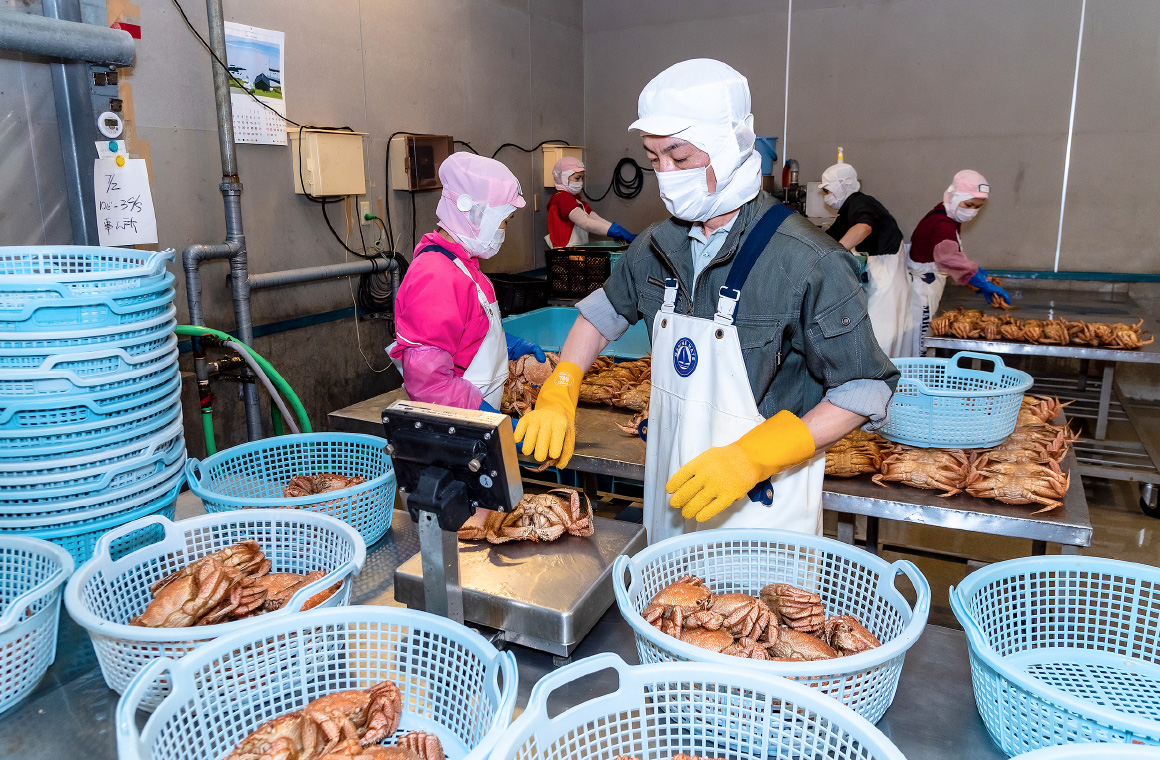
<point x="89" y="436"/>
<point x="453" y="683"/>
<point x="37" y="514"/>
<point x="15" y="468"/>
<point x="940" y="403"/>
<point x="79" y="538"/>
<point x="252" y="476"/>
<point x="849" y="580"/>
<point x="81" y="340"/>
<point x="106" y="593"/>
<point x="1063" y="649"/>
<point x="699" y="709"/>
<point x="32" y="576"/>
<point x="1103" y="751"/>
<point x="82" y="269"/>
<point x="91" y="366"/>
<point x="23" y="386"/>
<point x="35" y="311"/>
<point x="48" y="414"/>
<point x="119" y="470"/>
<point x="549" y="327"/>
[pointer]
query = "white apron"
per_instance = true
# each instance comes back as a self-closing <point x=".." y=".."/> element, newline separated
<point x="579" y="237"/>
<point x="701" y="398"/>
<point x="888" y="301"/>
<point x="488" y="371"/>
<point x="926" y="289"/>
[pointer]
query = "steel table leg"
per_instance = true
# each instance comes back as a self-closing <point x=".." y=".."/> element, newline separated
<point x="1038" y="548"/>
<point x="846" y="529"/>
<point x="1085" y="368"/>
<point x="1070" y="550"/>
<point x="590" y="489"/>
<point x="1105" y="401"/>
<point x="872" y="535"/>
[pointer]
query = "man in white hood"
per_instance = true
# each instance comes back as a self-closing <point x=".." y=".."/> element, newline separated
<point x="762" y="351"/>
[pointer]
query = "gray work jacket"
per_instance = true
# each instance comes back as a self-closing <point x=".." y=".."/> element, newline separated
<point x="801" y="318"/>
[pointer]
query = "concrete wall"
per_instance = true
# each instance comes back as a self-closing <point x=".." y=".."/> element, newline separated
<point x="485" y="71"/>
<point x="915" y="90"/>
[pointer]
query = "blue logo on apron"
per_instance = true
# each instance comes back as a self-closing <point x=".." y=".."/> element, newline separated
<point x="684" y="357"/>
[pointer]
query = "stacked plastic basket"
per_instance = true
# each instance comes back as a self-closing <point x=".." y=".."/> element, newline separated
<point x="90" y="394"/>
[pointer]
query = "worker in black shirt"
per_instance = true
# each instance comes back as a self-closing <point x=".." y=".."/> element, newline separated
<point x="866" y="229"/>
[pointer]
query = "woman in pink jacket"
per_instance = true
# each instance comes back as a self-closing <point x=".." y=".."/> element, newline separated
<point x="450" y="345"/>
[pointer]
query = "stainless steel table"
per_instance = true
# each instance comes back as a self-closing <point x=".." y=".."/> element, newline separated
<point x="1117" y="460"/>
<point x="71" y="713"/>
<point x="602" y="449"/>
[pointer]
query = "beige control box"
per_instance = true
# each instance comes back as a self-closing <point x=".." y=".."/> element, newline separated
<point x="329" y="162"/>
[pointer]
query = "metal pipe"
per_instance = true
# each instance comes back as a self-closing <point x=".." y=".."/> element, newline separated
<point x="221" y="92"/>
<point x="56" y="37"/>
<point x="327" y="272"/>
<point x="75" y="119"/>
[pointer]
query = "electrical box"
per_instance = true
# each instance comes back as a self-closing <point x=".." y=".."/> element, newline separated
<point x="329" y="161"/>
<point x="415" y="161"/>
<point x="553" y="153"/>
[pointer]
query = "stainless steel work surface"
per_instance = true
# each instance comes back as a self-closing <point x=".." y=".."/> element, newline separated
<point x="71" y="713"/>
<point x="601" y="448"/>
<point x="544" y="596"/>
<point x="1055" y="304"/>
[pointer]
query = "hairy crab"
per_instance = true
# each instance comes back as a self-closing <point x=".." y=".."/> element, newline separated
<point x="287" y="737"/>
<point x="543" y="517"/>
<point x="425" y="746"/>
<point x="798" y="645"/>
<point x="368" y="715"/>
<point x="747" y="648"/>
<point x="1041" y="482"/>
<point x="319" y="482"/>
<point x="850" y="459"/>
<point x="183" y="602"/>
<point x="669" y="607"/>
<point x="846" y="635"/>
<point x="280" y="587"/>
<point x="714" y="641"/>
<point x="795" y="607"/>
<point x="741" y="615"/>
<point x="936" y="469"/>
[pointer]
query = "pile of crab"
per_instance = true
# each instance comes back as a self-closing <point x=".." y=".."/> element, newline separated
<point x="342" y="725"/>
<point x="973" y="324"/>
<point x="783" y="623"/>
<point x="1024" y="469"/>
<point x="227" y="585"/>
<point x="625" y="385"/>
<point x="542" y="517"/>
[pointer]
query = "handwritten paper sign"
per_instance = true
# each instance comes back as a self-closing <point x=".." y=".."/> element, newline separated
<point x="124" y="204"/>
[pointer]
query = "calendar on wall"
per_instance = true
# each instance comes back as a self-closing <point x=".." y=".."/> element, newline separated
<point x="256" y="57"/>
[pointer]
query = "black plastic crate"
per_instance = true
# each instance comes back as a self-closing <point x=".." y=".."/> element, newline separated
<point x="576" y="272"/>
<point x="517" y="293"/>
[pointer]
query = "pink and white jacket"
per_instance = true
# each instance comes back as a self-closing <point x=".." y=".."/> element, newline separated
<point x="440" y="324"/>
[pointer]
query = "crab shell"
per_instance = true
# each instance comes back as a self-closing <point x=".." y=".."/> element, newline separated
<point x="797" y="645"/>
<point x="368" y="715"/>
<point x="424" y="745"/>
<point x="847" y="635"/>
<point x="794" y="607"/>
<point x="675" y="602"/>
<point x="714" y="641"/>
<point x="185" y="601"/>
<point x="285" y="737"/>
<point x="745" y="616"/>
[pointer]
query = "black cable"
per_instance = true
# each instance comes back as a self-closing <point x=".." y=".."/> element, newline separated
<point x="527" y="150"/>
<point x="467" y="145"/>
<point x="387" y="193"/>
<point x="626" y="188"/>
<point x="227" y="68"/>
<point x="414" y="223"/>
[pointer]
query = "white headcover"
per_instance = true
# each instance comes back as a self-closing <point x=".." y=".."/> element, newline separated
<point x="842" y="181"/>
<point x="707" y="103"/>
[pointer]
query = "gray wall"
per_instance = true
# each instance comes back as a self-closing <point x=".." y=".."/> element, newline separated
<point x="915" y="90"/>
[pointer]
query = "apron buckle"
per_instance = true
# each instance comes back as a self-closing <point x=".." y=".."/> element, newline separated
<point x="726" y="305"/>
<point x="670" y="294"/>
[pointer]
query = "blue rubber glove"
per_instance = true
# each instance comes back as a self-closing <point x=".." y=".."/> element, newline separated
<point x="486" y="407"/>
<point x="518" y="347"/>
<point x="986" y="287"/>
<point x="616" y="231"/>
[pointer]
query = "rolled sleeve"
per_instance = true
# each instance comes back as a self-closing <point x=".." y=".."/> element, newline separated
<point x="840" y="345"/>
<point x="869" y="398"/>
<point x="598" y="310"/>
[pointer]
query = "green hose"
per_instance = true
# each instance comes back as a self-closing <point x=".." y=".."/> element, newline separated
<point x="207" y="427"/>
<point x="276" y="418"/>
<point x="279" y="382"/>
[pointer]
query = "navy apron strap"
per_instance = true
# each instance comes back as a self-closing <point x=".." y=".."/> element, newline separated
<point x="440" y="249"/>
<point x="759" y="237"/>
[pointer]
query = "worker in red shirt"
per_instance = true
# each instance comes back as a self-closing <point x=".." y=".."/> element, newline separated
<point x="936" y="252"/>
<point x="570" y="218"/>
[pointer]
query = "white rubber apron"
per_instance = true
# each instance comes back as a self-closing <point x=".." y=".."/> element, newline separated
<point x="579" y="237"/>
<point x="926" y="290"/>
<point x="488" y="370"/>
<point x="888" y="301"/>
<point x="701" y="398"/>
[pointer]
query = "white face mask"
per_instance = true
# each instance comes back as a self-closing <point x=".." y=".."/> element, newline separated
<point x="963" y="214"/>
<point x="575" y="187"/>
<point x="685" y="193"/>
<point x="832" y="201"/>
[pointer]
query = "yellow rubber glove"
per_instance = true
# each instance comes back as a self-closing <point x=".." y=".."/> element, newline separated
<point x="723" y="474"/>
<point x="549" y="430"/>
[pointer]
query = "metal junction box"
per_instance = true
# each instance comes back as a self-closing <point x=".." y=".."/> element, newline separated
<point x="415" y="161"/>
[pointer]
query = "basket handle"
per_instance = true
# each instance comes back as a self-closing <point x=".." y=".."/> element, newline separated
<point x="956" y="369"/>
<point x="511" y="675"/>
<point x="107" y="539"/>
<point x="623" y="591"/>
<point x="920" y="583"/>
<point x="127" y="705"/>
<point x="193" y="470"/>
<point x="974" y="632"/>
<point x="17" y="606"/>
<point x="538" y="700"/>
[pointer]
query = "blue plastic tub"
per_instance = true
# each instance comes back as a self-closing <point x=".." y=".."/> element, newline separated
<point x="46" y="513"/>
<point x="79" y="340"/>
<point x="48" y="414"/>
<point x="45" y="311"/>
<point x="549" y="327"/>
<point x="767" y="147"/>
<point x="100" y="360"/>
<point x="82" y="269"/>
